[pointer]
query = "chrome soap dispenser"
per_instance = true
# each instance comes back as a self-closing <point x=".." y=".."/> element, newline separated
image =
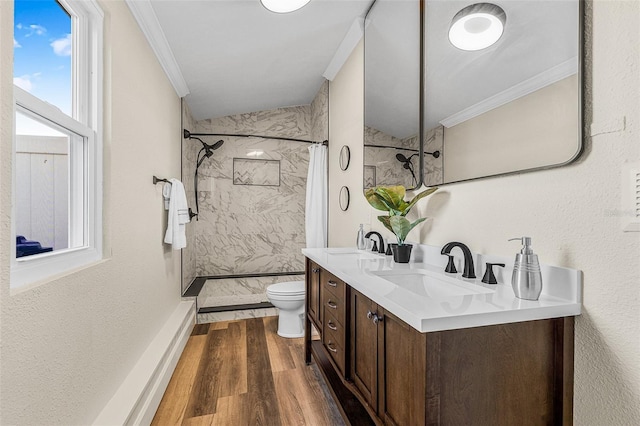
<point x="527" y="278"/>
<point x="360" y="242"/>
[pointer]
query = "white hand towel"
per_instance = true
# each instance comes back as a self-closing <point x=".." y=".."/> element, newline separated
<point x="166" y="193"/>
<point x="178" y="216"/>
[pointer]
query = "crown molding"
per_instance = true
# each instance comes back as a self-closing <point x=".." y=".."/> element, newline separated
<point x="349" y="42"/>
<point x="150" y="26"/>
<point x="537" y="82"/>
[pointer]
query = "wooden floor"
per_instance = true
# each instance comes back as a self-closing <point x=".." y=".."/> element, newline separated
<point x="242" y="373"/>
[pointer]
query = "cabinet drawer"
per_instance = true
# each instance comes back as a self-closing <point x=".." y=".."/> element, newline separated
<point x="333" y="305"/>
<point x="333" y="330"/>
<point x="333" y="284"/>
<point x="337" y="353"/>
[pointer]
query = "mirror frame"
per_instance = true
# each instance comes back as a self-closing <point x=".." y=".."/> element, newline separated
<point x="580" y="102"/>
<point x="580" y="105"/>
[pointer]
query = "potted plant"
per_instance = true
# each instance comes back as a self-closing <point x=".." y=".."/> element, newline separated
<point x="391" y="199"/>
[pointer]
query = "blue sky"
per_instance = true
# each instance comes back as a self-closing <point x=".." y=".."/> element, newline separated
<point x="42" y="51"/>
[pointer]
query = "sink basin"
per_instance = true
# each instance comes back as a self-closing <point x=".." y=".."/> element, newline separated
<point x="353" y="253"/>
<point x="429" y="284"/>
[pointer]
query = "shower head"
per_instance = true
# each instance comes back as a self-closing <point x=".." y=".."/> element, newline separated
<point x="215" y="145"/>
<point x="208" y="148"/>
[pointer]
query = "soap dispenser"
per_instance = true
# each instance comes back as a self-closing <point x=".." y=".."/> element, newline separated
<point x="360" y="243"/>
<point x="527" y="278"/>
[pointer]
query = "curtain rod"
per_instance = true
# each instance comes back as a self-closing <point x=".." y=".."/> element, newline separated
<point x="188" y="134"/>
<point x="435" y="154"/>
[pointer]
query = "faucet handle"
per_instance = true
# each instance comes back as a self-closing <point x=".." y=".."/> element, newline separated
<point x="488" y="277"/>
<point x="451" y="266"/>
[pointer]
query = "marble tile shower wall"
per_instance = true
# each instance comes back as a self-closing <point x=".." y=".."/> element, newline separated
<point x="249" y="228"/>
<point x="434" y="167"/>
<point x="189" y="151"/>
<point x="320" y="114"/>
<point x="388" y="170"/>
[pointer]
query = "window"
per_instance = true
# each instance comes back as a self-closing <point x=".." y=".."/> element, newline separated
<point x="57" y="214"/>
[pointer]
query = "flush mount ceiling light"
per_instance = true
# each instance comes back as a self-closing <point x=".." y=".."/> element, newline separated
<point x="283" y="6"/>
<point x="477" y="26"/>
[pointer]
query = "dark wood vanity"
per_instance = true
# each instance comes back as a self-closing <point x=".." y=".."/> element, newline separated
<point x="382" y="371"/>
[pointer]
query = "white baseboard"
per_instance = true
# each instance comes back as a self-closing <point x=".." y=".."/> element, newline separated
<point x="138" y="397"/>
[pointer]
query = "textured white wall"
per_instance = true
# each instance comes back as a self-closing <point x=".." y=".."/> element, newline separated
<point x="570" y="212"/>
<point x="68" y="344"/>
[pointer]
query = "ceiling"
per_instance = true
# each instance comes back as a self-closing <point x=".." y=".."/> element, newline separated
<point x="236" y="57"/>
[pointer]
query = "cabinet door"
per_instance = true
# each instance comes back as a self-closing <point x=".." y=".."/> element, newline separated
<point x="313" y="292"/>
<point x="402" y="377"/>
<point x="364" y="347"/>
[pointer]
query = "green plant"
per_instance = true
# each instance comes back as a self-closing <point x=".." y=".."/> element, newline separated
<point x="391" y="199"/>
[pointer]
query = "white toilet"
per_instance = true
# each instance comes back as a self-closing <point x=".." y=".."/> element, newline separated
<point x="288" y="297"/>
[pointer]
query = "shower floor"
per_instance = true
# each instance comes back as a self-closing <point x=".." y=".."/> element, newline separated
<point x="238" y="291"/>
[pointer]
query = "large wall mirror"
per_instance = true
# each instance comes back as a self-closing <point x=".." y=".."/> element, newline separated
<point x="392" y="94"/>
<point x="511" y="107"/>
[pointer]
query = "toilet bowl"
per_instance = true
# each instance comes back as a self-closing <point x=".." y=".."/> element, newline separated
<point x="288" y="297"/>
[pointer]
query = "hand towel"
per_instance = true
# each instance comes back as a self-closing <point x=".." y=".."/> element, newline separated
<point x="166" y="193"/>
<point x="178" y="216"/>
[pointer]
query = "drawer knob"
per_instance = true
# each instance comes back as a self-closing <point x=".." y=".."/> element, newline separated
<point x="333" y="283"/>
<point x="330" y="348"/>
<point x="331" y="326"/>
<point x="332" y="305"/>
<point x="377" y="319"/>
<point x="369" y="315"/>
<point x="315" y="270"/>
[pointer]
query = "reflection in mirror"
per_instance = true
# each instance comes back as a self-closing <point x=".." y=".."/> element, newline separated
<point x="344" y="198"/>
<point x="510" y="107"/>
<point x="345" y="157"/>
<point x="392" y="94"/>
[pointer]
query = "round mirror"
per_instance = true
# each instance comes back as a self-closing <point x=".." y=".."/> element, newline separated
<point x="344" y="198"/>
<point x="345" y="157"/>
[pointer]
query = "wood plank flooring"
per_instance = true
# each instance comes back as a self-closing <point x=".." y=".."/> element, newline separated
<point x="242" y="373"/>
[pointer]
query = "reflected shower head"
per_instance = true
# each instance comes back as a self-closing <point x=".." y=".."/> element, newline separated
<point x="401" y="158"/>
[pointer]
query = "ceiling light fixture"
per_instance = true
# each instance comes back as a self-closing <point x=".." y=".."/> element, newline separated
<point x="477" y="26"/>
<point x="283" y="6"/>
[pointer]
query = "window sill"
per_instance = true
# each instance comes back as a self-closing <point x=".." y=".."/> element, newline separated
<point x="24" y="279"/>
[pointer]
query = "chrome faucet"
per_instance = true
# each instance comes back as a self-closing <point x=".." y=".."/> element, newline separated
<point x="380" y="240"/>
<point x="469" y="268"/>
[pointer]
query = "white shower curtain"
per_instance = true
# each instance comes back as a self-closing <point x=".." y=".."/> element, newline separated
<point x="316" y="206"/>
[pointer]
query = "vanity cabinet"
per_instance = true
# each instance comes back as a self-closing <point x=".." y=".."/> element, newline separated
<point x="333" y="300"/>
<point x="383" y="371"/>
<point x="388" y="363"/>
<point x="312" y="274"/>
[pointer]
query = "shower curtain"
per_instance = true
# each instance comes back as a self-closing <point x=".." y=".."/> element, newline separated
<point x="316" y="205"/>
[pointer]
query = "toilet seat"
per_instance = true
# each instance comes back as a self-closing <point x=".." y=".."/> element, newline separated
<point x="287" y="288"/>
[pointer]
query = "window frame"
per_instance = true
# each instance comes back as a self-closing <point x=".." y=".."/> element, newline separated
<point x="86" y="121"/>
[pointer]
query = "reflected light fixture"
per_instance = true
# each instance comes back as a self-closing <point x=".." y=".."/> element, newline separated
<point x="283" y="6"/>
<point x="477" y="26"/>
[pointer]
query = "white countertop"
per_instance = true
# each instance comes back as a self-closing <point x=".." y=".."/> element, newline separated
<point x="496" y="304"/>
